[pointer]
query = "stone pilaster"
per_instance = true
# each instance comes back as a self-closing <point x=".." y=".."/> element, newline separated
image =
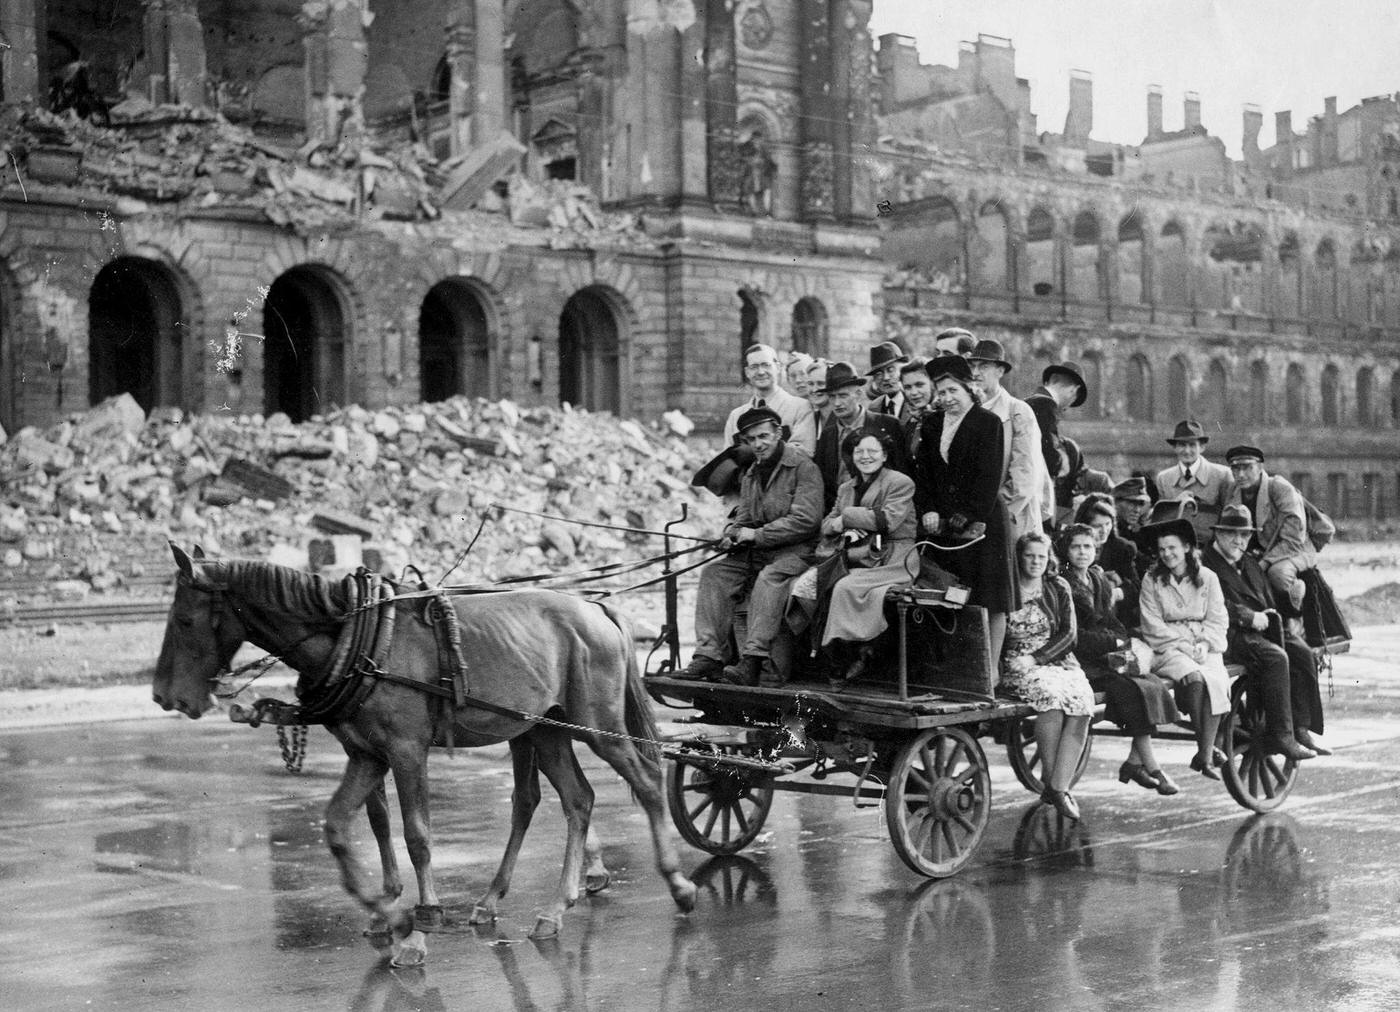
<point x="337" y="58"/>
<point x="721" y="103"/>
<point x="21" y="63"/>
<point x="817" y="194"/>
<point x="174" y="40"/>
<point x="460" y="36"/>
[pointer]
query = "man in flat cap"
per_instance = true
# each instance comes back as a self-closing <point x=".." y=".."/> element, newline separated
<point x="849" y="413"/>
<point x="1281" y="664"/>
<point x="1205" y="481"/>
<point x="774" y="526"/>
<point x="886" y="358"/>
<point x="1281" y="542"/>
<point x="1061" y="387"/>
<point x="1026" y="489"/>
<point x="761" y="374"/>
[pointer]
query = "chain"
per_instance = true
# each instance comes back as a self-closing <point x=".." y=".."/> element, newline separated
<point x="293" y="746"/>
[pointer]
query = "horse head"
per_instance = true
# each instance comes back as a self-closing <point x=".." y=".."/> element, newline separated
<point x="201" y="636"/>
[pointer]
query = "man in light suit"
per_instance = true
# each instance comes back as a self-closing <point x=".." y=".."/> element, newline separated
<point x="761" y="374"/>
<point x="1026" y="488"/>
<point x="1206" y="482"/>
<point x="1281" y="542"/>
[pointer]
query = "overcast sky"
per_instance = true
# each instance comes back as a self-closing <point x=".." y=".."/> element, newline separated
<point x="1278" y="54"/>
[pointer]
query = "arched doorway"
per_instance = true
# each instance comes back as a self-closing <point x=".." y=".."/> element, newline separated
<point x="590" y="352"/>
<point x="809" y="327"/>
<point x="750" y="321"/>
<point x="304" y="330"/>
<point x="454" y="342"/>
<point x="136" y="327"/>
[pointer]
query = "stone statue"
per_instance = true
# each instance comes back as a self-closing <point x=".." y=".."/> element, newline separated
<point x="756" y="176"/>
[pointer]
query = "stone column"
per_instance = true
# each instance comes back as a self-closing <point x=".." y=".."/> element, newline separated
<point x="721" y="103"/>
<point x="175" y="52"/>
<point x="337" y="58"/>
<point x="21" y="62"/>
<point x="652" y="117"/>
<point x="817" y="194"/>
<point x="460" y="36"/>
<point x="853" y="128"/>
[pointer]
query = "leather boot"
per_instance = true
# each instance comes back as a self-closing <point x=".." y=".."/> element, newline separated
<point x="746" y="672"/>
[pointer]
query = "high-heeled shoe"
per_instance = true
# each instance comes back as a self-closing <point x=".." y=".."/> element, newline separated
<point x="1064" y="804"/>
<point x="1138" y="774"/>
<point x="1206" y="771"/>
<point x="1165" y="785"/>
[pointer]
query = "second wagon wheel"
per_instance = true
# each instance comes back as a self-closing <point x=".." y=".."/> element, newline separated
<point x="718" y="808"/>
<point x="1023" y="753"/>
<point x="938" y="801"/>
<point x="1256" y="778"/>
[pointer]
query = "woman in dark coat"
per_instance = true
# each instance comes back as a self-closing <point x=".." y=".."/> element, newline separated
<point x="1136" y="702"/>
<point x="957" y="476"/>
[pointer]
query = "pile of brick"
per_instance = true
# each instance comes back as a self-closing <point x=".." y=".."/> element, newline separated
<point x="88" y="505"/>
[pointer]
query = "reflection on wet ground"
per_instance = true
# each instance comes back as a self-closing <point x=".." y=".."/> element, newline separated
<point x="175" y="865"/>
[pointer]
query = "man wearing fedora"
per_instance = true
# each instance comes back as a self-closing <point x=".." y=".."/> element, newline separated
<point x="761" y="374"/>
<point x="886" y="358"/>
<point x="1281" y="543"/>
<point x="1026" y="490"/>
<point x="849" y="413"/>
<point x="1208" y="483"/>
<point x="774" y="527"/>
<point x="1281" y="665"/>
<point x="1061" y="387"/>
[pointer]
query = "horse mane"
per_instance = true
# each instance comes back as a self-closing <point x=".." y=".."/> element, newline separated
<point x="304" y="596"/>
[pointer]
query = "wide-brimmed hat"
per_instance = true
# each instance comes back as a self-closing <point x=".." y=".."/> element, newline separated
<point x="840" y="375"/>
<point x="952" y="366"/>
<point x="990" y="350"/>
<point x="1133" y="489"/>
<point x="884" y="354"/>
<point x="757" y="416"/>
<point x="1148" y="536"/>
<point x="1235" y="453"/>
<point x="1169" y="516"/>
<point x="1068" y="371"/>
<point x="1189" y="431"/>
<point x="721" y="475"/>
<point x="1235" y="517"/>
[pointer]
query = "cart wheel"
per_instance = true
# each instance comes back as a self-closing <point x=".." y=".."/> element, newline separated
<point x="938" y="801"/>
<point x="721" y="809"/>
<point x="734" y="880"/>
<point x="1024" y="755"/>
<point x="1257" y="779"/>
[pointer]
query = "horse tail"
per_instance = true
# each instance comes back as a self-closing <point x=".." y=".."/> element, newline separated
<point x="637" y="712"/>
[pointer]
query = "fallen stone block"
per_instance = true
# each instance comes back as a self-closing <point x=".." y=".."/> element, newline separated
<point x="336" y="522"/>
<point x="256" y="481"/>
<point x="112" y="419"/>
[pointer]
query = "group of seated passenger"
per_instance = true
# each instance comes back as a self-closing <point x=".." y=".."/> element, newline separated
<point x="1132" y="607"/>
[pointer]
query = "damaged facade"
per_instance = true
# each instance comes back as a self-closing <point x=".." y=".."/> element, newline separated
<point x="1261" y="297"/>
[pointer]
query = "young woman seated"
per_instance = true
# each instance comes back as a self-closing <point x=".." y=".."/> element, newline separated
<point x="1137" y="701"/>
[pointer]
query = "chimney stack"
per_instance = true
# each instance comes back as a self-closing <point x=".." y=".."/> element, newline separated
<point x="1154" y="111"/>
<point x="1253" y="123"/>
<point x="1330" y="152"/>
<point x="1193" y="111"/>
<point x="1080" y="120"/>
<point x="1283" y="139"/>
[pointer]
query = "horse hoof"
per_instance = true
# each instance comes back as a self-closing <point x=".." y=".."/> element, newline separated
<point x="379" y="937"/>
<point x="594" y="884"/>
<point x="546" y="927"/>
<point x="413" y="952"/>
<point x="684" y="895"/>
<point x="428" y="918"/>
<point x="482" y="914"/>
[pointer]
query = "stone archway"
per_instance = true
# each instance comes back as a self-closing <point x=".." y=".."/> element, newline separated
<point x="136" y="331"/>
<point x="305" y="330"/>
<point x="455" y="341"/>
<point x="590" y="352"/>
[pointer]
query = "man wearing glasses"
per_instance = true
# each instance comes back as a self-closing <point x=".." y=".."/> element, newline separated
<point x="761" y="371"/>
<point x="1281" y="664"/>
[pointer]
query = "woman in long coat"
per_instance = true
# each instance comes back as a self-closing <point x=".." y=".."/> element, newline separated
<point x="957" y="477"/>
<point x="877" y="503"/>
<point x="1185" y="623"/>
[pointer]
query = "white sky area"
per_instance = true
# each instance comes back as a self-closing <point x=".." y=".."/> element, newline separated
<point x="1277" y="54"/>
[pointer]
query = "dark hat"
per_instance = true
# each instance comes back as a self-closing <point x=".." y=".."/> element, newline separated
<point x="953" y="366"/>
<point x="1235" y="453"/>
<point x="1169" y="516"/>
<point x="1235" y="517"/>
<point x="883" y="354"/>
<point x="840" y="375"/>
<point x="721" y="475"/>
<point x="966" y="342"/>
<point x="757" y="416"/>
<point x="1068" y="371"/>
<point x="990" y="350"/>
<point x="1188" y="431"/>
<point x="1132" y="488"/>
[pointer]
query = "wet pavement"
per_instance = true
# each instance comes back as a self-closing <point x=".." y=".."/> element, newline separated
<point x="167" y="864"/>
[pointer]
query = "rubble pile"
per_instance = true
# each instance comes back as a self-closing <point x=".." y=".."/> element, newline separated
<point x="88" y="504"/>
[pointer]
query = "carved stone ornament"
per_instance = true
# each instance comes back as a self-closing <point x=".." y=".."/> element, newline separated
<point x="756" y="27"/>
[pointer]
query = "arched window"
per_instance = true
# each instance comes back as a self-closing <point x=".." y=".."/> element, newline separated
<point x="1259" y="392"/>
<point x="1130" y="262"/>
<point x="809" y="327"/>
<point x="1042" y="273"/>
<point x="1331" y="396"/>
<point x="926" y="239"/>
<point x="750" y="318"/>
<point x="1289" y="303"/>
<point x="1232" y="268"/>
<point x="1084" y="272"/>
<point x="1365" y="397"/>
<point x="1171" y="266"/>
<point x="1178" y="389"/>
<point x="1294" y="395"/>
<point x="1324" y="301"/>
<point x="989" y="250"/>
<point x="1139" y="390"/>
<point x="1215" y="405"/>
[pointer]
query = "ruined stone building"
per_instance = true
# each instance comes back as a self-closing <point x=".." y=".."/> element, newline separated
<point x="271" y="206"/>
<point x="1261" y="297"/>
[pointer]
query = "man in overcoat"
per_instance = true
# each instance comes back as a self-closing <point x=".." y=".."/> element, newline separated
<point x="1204" y="480"/>
<point x="1281" y="543"/>
<point x="1061" y="387"/>
<point x="774" y="527"/>
<point x="886" y="359"/>
<point x="1281" y="665"/>
<point x="849" y="413"/>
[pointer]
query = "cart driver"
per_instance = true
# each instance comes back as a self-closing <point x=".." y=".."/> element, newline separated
<point x="774" y="527"/>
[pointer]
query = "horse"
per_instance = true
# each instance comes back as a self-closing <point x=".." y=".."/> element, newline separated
<point x="528" y="651"/>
